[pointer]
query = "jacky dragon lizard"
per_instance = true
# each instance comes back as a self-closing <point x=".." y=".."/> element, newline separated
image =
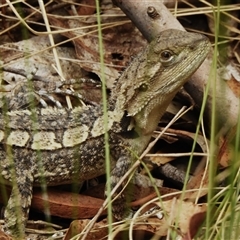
<point x="55" y="145"/>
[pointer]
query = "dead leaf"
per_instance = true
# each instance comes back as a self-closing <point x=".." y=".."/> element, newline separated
<point x="4" y="236"/>
<point x="66" y="204"/>
<point x="86" y="7"/>
<point x="99" y="231"/>
<point x="226" y="151"/>
<point x="172" y="214"/>
<point x="199" y="183"/>
<point x="195" y="222"/>
<point x="160" y="158"/>
<point x="121" y="40"/>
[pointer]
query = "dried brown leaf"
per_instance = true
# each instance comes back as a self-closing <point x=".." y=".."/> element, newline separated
<point x="66" y="204"/>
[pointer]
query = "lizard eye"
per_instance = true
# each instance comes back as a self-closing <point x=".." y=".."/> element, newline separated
<point x="166" y="56"/>
<point x="143" y="87"/>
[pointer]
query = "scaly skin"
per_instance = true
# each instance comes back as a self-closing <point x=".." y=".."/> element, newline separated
<point x="62" y="145"/>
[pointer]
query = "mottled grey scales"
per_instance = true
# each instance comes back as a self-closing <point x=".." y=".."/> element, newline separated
<point x="62" y="144"/>
<point x="44" y="93"/>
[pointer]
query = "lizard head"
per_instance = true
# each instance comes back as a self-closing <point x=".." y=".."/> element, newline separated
<point x="153" y="78"/>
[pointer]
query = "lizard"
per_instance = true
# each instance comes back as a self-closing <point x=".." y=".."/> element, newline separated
<point x="55" y="146"/>
<point x="45" y="93"/>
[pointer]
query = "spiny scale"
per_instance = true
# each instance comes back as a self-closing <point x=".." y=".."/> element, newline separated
<point x="58" y="144"/>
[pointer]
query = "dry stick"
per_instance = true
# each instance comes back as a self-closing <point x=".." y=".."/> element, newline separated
<point x="49" y="9"/>
<point x="88" y="228"/>
<point x="150" y="18"/>
<point x="154" y="200"/>
<point x="203" y="162"/>
<point x="106" y="26"/>
<point x="184" y="154"/>
<point x="55" y="53"/>
<point x="63" y="30"/>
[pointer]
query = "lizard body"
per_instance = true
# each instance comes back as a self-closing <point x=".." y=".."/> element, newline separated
<point x="56" y="146"/>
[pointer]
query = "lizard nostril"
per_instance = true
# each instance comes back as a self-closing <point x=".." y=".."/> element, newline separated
<point x="192" y="47"/>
